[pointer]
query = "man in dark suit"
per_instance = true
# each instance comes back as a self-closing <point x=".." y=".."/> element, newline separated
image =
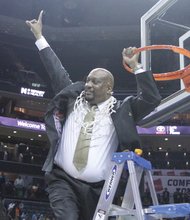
<point x="74" y="192"/>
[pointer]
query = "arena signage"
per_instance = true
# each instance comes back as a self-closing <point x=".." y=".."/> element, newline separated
<point x="32" y="92"/>
<point x="157" y="130"/>
<point x="19" y="123"/>
<point x="164" y="130"/>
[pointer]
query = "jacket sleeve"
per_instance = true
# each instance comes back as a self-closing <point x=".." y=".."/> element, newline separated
<point x="148" y="96"/>
<point x="59" y="77"/>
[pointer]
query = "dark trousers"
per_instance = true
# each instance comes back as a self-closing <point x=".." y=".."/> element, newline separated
<point x="72" y="199"/>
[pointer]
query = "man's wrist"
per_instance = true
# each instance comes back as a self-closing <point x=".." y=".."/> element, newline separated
<point x="137" y="67"/>
<point x="38" y="36"/>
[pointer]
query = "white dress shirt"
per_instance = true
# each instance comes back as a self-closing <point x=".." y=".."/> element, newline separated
<point x="104" y="142"/>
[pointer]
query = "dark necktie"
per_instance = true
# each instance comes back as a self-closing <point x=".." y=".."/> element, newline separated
<point x="82" y="148"/>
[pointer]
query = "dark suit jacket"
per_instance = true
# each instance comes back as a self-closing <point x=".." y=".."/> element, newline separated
<point x="128" y="112"/>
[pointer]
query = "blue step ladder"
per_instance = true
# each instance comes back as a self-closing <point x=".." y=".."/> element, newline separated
<point x="131" y="207"/>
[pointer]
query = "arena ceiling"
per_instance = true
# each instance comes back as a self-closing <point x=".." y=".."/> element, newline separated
<point x="87" y="34"/>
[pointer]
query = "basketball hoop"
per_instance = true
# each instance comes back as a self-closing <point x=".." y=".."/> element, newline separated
<point x="183" y="74"/>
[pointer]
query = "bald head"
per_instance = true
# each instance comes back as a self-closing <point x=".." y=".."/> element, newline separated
<point x="108" y="75"/>
<point x="99" y="85"/>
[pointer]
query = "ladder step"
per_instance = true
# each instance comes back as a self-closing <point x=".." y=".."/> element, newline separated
<point x="169" y="210"/>
<point x="118" y="210"/>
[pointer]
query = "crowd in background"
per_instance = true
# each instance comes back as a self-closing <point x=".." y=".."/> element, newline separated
<point x="22" y="153"/>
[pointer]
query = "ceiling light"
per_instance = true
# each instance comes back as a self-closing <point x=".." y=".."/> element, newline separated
<point x="31" y="139"/>
<point x="166" y="139"/>
<point x="39" y="135"/>
<point x="14" y="132"/>
<point x="179" y="145"/>
<point x="9" y="136"/>
<point x="160" y="148"/>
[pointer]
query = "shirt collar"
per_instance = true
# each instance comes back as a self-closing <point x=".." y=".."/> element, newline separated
<point x="102" y="105"/>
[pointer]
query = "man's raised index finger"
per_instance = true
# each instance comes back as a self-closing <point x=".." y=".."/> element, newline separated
<point x="40" y="16"/>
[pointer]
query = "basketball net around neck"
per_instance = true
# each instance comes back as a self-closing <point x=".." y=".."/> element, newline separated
<point x="81" y="107"/>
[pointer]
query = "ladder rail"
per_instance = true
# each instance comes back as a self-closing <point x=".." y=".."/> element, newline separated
<point x="108" y="191"/>
<point x="135" y="190"/>
<point x="128" y="198"/>
<point x="151" y="187"/>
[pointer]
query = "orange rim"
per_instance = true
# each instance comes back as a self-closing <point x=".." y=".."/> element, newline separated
<point x="169" y="75"/>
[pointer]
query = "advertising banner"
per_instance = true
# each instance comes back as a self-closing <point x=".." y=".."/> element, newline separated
<point x="20" y="123"/>
<point x="170" y="179"/>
